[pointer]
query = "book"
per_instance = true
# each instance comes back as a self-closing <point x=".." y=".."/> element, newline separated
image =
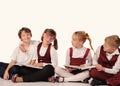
<point x="78" y="67"/>
<point x="31" y="66"/>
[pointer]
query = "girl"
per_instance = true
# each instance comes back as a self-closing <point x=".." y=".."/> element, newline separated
<point x="47" y="58"/>
<point x="18" y="57"/>
<point x="78" y="55"/>
<point x="107" y="62"/>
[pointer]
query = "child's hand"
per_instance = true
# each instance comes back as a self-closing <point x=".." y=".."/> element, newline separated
<point x="38" y="64"/>
<point x="99" y="67"/>
<point x="6" y="76"/>
<point x="70" y="69"/>
<point x="82" y="65"/>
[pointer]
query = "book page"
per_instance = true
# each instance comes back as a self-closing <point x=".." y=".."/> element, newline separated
<point x="87" y="67"/>
<point x="72" y="66"/>
<point x="78" y="67"/>
<point x="29" y="66"/>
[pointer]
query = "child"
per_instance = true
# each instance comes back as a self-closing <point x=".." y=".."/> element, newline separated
<point x="78" y="55"/>
<point x="19" y="57"/>
<point x="47" y="58"/>
<point x="107" y="62"/>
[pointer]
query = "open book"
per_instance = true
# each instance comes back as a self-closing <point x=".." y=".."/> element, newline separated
<point x="31" y="66"/>
<point x="80" y="68"/>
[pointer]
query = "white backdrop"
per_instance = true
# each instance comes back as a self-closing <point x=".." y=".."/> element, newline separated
<point x="99" y="18"/>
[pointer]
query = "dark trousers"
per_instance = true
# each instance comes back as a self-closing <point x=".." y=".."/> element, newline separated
<point x="3" y="67"/>
<point x="33" y="75"/>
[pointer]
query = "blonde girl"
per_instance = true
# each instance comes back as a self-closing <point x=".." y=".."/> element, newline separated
<point x="107" y="62"/>
<point x="77" y="55"/>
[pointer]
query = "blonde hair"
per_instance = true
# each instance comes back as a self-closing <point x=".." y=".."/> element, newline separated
<point x="52" y="33"/>
<point x="83" y="36"/>
<point x="113" y="41"/>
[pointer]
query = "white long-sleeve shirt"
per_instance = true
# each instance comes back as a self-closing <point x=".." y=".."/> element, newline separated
<point x="53" y="54"/>
<point x="115" y="68"/>
<point x="78" y="53"/>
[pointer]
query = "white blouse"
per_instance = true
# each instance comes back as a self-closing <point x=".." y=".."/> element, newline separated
<point x="79" y="53"/>
<point x="115" y="68"/>
<point x="53" y="54"/>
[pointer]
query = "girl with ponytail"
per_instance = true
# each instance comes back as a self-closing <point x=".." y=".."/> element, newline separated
<point x="77" y="55"/>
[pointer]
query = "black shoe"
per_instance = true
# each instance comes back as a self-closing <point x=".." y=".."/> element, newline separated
<point x="96" y="82"/>
<point x="86" y="80"/>
<point x="59" y="79"/>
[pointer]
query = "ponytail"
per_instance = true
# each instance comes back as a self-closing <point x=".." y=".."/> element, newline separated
<point x="90" y="42"/>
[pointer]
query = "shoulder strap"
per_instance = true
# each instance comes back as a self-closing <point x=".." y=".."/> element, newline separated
<point x="86" y="53"/>
<point x="71" y="50"/>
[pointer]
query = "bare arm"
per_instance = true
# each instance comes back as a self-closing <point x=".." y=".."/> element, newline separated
<point x="6" y="74"/>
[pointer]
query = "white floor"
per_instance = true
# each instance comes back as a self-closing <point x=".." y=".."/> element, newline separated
<point x="10" y="83"/>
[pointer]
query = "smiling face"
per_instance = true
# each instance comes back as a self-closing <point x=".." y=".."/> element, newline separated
<point x="48" y="38"/>
<point x="25" y="34"/>
<point x="25" y="37"/>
